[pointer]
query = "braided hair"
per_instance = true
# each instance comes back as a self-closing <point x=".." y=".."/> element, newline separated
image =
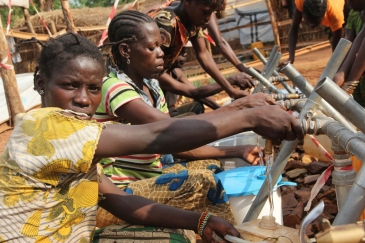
<point x="315" y="8"/>
<point x="125" y="28"/>
<point x="58" y="51"/>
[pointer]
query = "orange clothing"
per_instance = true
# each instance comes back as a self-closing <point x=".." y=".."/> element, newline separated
<point x="334" y="16"/>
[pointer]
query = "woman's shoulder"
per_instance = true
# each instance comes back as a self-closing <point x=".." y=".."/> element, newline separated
<point x="163" y="15"/>
<point x="51" y="115"/>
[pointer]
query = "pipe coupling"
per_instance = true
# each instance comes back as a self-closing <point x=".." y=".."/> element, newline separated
<point x="343" y="177"/>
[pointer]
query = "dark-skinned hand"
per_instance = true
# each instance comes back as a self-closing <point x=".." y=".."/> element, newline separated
<point x="220" y="227"/>
<point x="254" y="100"/>
<point x="273" y="123"/>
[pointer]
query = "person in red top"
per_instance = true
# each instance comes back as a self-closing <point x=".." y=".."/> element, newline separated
<point x="183" y="22"/>
<point x="317" y="12"/>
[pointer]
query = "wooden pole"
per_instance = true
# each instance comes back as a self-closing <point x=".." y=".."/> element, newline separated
<point x="67" y="14"/>
<point x="11" y="91"/>
<point x="273" y="24"/>
<point x="53" y="27"/>
<point x="30" y="25"/>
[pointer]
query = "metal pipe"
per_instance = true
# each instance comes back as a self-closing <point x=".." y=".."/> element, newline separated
<point x="288" y="146"/>
<point x="293" y="104"/>
<point x="298" y="79"/>
<point x="307" y="89"/>
<point x="342" y="102"/>
<point x="342" y="179"/>
<point x="263" y="60"/>
<point x="288" y="88"/>
<point x="266" y="72"/>
<point x="354" y="203"/>
<point x="263" y="81"/>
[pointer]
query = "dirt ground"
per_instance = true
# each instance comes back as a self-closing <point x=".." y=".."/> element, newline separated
<point x="310" y="65"/>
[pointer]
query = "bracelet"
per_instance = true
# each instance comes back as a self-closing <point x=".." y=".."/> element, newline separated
<point x="203" y="222"/>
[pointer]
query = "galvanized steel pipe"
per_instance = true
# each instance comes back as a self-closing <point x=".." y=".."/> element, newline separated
<point x="342" y="102"/>
<point x="288" y="146"/>
<point x="264" y="81"/>
<point x="307" y="89"/>
<point x="269" y="68"/>
<point x="263" y="60"/>
<point x="353" y="143"/>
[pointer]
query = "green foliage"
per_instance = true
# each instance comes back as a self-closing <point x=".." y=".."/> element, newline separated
<point x="4" y="11"/>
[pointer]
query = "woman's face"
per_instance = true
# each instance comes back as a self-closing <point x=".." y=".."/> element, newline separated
<point x="74" y="86"/>
<point x="146" y="56"/>
<point x="198" y="14"/>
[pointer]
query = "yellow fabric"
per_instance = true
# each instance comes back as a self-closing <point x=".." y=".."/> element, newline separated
<point x="334" y="16"/>
<point x="48" y="185"/>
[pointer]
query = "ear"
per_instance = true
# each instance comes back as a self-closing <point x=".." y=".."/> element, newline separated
<point x="39" y="82"/>
<point x="124" y="50"/>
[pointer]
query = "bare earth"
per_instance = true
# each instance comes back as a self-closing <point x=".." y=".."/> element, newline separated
<point x="310" y="65"/>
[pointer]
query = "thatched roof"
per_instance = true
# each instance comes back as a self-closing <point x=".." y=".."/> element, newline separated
<point x="84" y="17"/>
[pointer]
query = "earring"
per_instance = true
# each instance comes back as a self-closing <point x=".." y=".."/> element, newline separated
<point x="128" y="61"/>
<point x="41" y="92"/>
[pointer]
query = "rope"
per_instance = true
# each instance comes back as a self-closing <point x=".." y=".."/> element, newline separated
<point x="4" y="65"/>
<point x="44" y="23"/>
<point x="9" y="18"/>
<point x="322" y="179"/>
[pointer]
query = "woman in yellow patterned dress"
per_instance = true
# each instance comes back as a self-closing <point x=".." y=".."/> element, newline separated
<point x="50" y="184"/>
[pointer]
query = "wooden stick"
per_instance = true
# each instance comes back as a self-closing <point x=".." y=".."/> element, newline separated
<point x="26" y="35"/>
<point x="52" y="27"/>
<point x="11" y="91"/>
<point x="30" y="25"/>
<point x="67" y="14"/>
<point x="273" y="24"/>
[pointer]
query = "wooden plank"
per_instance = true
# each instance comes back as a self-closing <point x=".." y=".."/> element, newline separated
<point x="245" y="26"/>
<point x="26" y="35"/>
<point x="283" y="23"/>
<point x="86" y="28"/>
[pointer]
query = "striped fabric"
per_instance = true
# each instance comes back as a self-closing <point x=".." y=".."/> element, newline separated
<point x="118" y="90"/>
<point x="48" y="185"/>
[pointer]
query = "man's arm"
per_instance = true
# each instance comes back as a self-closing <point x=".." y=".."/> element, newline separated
<point x="337" y="35"/>
<point x="169" y="84"/>
<point x="351" y="64"/>
<point x="293" y="34"/>
<point x="222" y="45"/>
<point x="358" y="66"/>
<point x="206" y="61"/>
<point x="208" y="101"/>
<point x="211" y="103"/>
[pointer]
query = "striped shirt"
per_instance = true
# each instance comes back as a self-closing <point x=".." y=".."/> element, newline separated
<point x="118" y="90"/>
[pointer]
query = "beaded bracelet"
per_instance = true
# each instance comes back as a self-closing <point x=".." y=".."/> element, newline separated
<point x="203" y="222"/>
